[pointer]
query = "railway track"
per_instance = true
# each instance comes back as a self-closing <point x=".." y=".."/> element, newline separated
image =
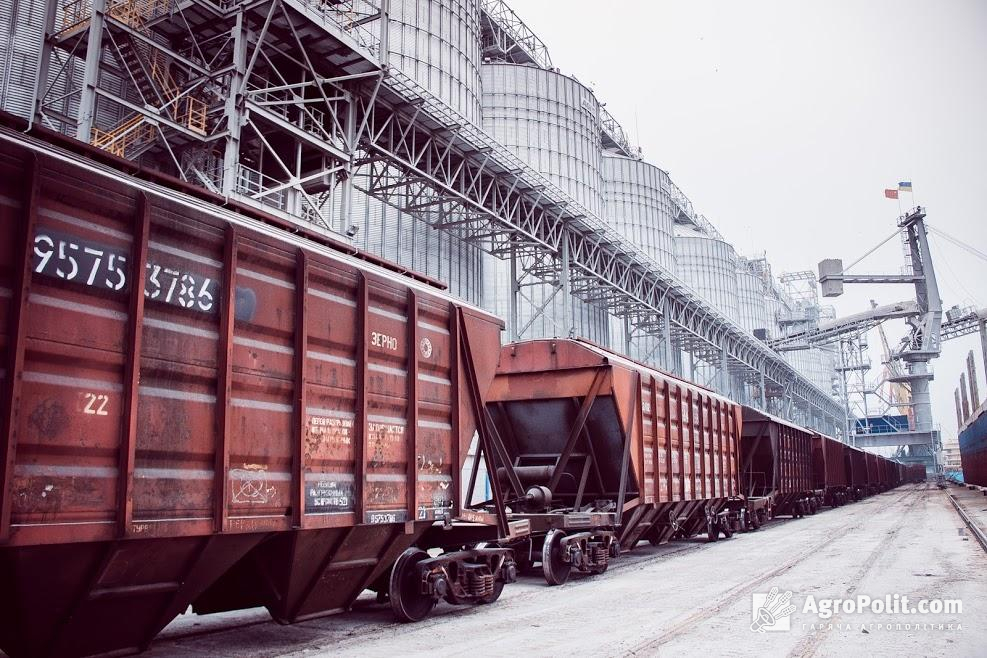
<point x="684" y="624"/>
<point x="979" y="534"/>
<point x="629" y="562"/>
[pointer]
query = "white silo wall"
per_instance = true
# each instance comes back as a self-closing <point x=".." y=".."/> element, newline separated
<point x="751" y="303"/>
<point x="552" y="122"/>
<point x="709" y="267"/>
<point x="438" y="43"/>
<point x="637" y="203"/>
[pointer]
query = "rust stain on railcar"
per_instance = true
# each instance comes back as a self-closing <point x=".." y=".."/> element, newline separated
<point x="289" y="407"/>
<point x="682" y="439"/>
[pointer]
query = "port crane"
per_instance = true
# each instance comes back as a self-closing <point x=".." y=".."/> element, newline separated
<point x="909" y="364"/>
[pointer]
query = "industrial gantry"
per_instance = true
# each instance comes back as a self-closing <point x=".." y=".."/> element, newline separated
<point x="291" y="105"/>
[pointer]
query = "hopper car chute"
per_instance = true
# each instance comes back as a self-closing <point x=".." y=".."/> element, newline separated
<point x="202" y="408"/>
<point x="596" y="452"/>
<point x="776" y="466"/>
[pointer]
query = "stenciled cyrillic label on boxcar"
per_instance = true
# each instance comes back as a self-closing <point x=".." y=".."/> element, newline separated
<point x="328" y="495"/>
<point x="330" y="429"/>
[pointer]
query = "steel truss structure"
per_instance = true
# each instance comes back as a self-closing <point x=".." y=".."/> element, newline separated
<point x="290" y="105"/>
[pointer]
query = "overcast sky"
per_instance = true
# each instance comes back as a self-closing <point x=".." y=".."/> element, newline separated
<point x="784" y="122"/>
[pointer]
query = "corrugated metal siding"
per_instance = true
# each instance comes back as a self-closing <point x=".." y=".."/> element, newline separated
<point x="751" y="306"/>
<point x="392" y="234"/>
<point x="772" y="307"/>
<point x="709" y="267"/>
<point x="552" y="122"/>
<point x="588" y="321"/>
<point x="638" y="204"/>
<point x="644" y="348"/>
<point x="21" y="33"/>
<point x="437" y="42"/>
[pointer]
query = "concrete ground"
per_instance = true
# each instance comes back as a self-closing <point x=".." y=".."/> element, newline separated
<point x="973" y="501"/>
<point x="684" y="598"/>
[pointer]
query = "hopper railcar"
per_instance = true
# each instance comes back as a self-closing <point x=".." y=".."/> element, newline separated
<point x="203" y="408"/>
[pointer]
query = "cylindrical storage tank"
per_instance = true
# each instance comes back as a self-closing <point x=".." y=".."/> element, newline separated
<point x="552" y="122"/>
<point x="825" y="367"/>
<point x="772" y="308"/>
<point x="22" y="32"/>
<point x="709" y="267"/>
<point x="811" y="371"/>
<point x="646" y="348"/>
<point x="799" y="359"/>
<point x="751" y="304"/>
<point x="637" y="203"/>
<point x="438" y="43"/>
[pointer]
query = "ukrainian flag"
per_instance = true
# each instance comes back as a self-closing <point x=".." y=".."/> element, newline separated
<point x="905" y="186"/>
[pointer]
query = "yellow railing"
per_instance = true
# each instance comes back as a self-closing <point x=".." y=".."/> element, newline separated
<point x="193" y="115"/>
<point x="188" y="111"/>
<point x="134" y="130"/>
<point x="76" y="14"/>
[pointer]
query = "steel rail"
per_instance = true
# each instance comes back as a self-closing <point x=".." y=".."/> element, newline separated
<point x="979" y="534"/>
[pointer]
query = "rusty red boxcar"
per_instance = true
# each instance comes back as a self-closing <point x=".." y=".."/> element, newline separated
<point x="189" y="393"/>
<point x="776" y="463"/>
<point x="873" y="472"/>
<point x="913" y="473"/>
<point x="829" y="469"/>
<point x="598" y="434"/>
<point x="856" y="469"/>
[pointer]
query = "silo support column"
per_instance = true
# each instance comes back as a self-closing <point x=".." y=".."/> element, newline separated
<point x="512" y="302"/>
<point x="232" y="110"/>
<point x="725" y="373"/>
<point x="666" y="329"/>
<point x="566" y="291"/>
<point x="94" y="51"/>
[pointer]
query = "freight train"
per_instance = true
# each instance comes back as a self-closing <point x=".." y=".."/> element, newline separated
<point x="206" y="406"/>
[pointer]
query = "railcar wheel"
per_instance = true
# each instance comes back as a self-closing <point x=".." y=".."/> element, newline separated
<point x="407" y="600"/>
<point x="600" y="569"/>
<point x="712" y="532"/>
<point x="555" y="569"/>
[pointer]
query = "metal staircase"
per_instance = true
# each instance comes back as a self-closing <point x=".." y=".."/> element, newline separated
<point x="150" y="70"/>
